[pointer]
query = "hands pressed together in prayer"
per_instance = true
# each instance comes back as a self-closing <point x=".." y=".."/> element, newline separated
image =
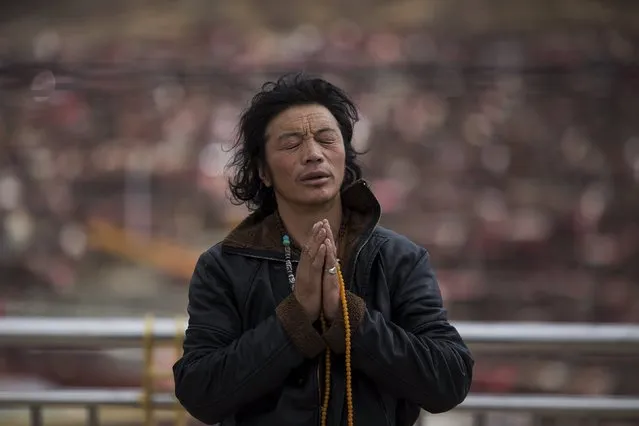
<point x="317" y="289"/>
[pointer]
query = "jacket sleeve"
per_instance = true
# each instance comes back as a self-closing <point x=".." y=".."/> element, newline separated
<point x="223" y="368"/>
<point x="419" y="356"/>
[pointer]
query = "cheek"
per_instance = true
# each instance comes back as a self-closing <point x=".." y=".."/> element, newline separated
<point x="339" y="157"/>
<point x="282" y="168"/>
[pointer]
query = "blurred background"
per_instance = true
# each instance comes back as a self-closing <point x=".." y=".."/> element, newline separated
<point x="501" y="135"/>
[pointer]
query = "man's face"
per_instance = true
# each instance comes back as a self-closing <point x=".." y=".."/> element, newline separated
<point x="305" y="156"/>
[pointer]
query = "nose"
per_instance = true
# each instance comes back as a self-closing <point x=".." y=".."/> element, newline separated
<point x="312" y="152"/>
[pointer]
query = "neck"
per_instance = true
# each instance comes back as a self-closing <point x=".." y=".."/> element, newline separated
<point x="299" y="220"/>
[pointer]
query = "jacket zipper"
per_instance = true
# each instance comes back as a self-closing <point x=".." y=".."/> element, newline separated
<point x="359" y="250"/>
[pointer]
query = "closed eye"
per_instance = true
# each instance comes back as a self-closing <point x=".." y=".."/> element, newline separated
<point x="327" y="136"/>
<point x="290" y="140"/>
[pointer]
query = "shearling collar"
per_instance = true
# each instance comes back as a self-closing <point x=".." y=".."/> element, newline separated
<point x="261" y="232"/>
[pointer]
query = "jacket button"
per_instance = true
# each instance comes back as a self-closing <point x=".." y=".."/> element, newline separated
<point x="300" y="381"/>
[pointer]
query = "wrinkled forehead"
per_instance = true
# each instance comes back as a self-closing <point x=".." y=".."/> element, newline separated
<point x="302" y="119"/>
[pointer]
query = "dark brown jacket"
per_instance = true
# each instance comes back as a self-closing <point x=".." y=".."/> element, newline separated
<point x="251" y="357"/>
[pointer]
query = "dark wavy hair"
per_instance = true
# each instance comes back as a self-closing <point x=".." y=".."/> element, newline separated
<point x="276" y="96"/>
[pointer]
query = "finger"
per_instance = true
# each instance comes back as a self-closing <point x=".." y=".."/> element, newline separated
<point x="333" y="245"/>
<point x="306" y="247"/>
<point x="314" y="230"/>
<point x="320" y="257"/>
<point x="331" y="262"/>
<point x="316" y="241"/>
<point x="312" y="243"/>
<point x="321" y="233"/>
<point x="313" y="246"/>
<point x="314" y="272"/>
<point x="327" y="226"/>
<point x="329" y="230"/>
<point x="308" y="250"/>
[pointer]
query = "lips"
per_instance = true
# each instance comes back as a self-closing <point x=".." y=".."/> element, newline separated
<point x="311" y="176"/>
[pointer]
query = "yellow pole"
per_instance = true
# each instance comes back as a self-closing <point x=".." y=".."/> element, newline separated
<point x="147" y="375"/>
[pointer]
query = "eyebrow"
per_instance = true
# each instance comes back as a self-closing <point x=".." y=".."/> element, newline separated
<point x="326" y="129"/>
<point x="298" y="133"/>
<point x="287" y="134"/>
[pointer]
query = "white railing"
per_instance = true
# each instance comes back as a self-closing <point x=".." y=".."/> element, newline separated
<point x="129" y="332"/>
<point x="111" y="333"/>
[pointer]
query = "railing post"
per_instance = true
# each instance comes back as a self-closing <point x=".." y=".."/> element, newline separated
<point x="544" y="421"/>
<point x="180" y="413"/>
<point x="479" y="419"/>
<point x="147" y="376"/>
<point x="35" y="414"/>
<point x="93" y="415"/>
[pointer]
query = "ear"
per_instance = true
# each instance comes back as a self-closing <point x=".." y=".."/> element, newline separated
<point x="265" y="176"/>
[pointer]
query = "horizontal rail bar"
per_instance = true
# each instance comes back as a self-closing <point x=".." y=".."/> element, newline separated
<point x="83" y="332"/>
<point x="547" y="404"/>
<point x="531" y="403"/>
<point x="128" y="332"/>
<point x="83" y="397"/>
<point x="550" y="337"/>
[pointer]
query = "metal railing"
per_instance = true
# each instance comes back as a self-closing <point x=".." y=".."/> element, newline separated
<point x="128" y="333"/>
<point x="131" y="332"/>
